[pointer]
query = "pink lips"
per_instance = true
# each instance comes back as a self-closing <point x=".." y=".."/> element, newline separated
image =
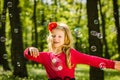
<point x="56" y="42"/>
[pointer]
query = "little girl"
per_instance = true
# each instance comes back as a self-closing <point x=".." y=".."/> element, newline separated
<point x="61" y="60"/>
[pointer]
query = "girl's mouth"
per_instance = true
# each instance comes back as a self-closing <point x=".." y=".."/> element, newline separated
<point x="56" y="42"/>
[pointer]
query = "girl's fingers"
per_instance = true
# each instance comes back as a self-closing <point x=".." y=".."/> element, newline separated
<point x="34" y="52"/>
<point x="31" y="51"/>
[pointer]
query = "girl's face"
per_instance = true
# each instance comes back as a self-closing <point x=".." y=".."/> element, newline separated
<point x="57" y="38"/>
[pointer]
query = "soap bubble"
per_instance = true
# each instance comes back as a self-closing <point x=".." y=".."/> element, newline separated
<point x="60" y="68"/>
<point x="77" y="32"/>
<point x="99" y="35"/>
<point x="102" y="66"/>
<point x="18" y="64"/>
<point x="93" y="48"/>
<point x="10" y="15"/>
<point x="83" y="46"/>
<point x="94" y="33"/>
<point x="3" y="18"/>
<point x="2" y="39"/>
<point x="57" y="64"/>
<point x="114" y="30"/>
<point x="27" y="13"/>
<point x="9" y="4"/>
<point x="5" y="56"/>
<point x="95" y="21"/>
<point x="16" y="30"/>
<point x="54" y="60"/>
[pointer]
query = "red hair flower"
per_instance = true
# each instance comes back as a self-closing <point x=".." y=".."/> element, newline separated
<point x="52" y="25"/>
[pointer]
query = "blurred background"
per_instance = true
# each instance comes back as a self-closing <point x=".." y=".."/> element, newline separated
<point x="95" y="26"/>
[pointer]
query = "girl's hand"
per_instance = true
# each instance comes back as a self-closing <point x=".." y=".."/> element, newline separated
<point x="34" y="51"/>
<point x="117" y="65"/>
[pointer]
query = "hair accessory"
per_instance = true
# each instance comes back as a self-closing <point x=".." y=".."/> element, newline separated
<point x="52" y="25"/>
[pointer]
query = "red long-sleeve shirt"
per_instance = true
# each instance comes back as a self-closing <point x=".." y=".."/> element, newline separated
<point x="55" y="65"/>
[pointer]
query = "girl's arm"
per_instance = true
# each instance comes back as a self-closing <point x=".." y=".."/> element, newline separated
<point x="95" y="61"/>
<point x="33" y="54"/>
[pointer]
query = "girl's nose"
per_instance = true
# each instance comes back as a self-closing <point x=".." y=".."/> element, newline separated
<point x="55" y="37"/>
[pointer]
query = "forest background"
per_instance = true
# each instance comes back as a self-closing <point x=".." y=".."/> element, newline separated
<point x="95" y="26"/>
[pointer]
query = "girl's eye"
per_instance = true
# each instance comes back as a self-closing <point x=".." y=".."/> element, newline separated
<point x="53" y="36"/>
<point x="59" y="36"/>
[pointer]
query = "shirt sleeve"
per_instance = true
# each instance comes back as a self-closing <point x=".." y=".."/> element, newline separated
<point x="38" y="59"/>
<point x="95" y="61"/>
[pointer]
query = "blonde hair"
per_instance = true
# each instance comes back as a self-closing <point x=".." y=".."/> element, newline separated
<point x="67" y="42"/>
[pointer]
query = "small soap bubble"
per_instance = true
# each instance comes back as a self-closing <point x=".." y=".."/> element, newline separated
<point x="54" y="60"/>
<point x="93" y="48"/>
<point x="18" y="64"/>
<point x="10" y="15"/>
<point x="16" y="30"/>
<point x="9" y="4"/>
<point x="102" y="66"/>
<point x="77" y="32"/>
<point x="3" y="18"/>
<point x="115" y="13"/>
<point x="114" y="30"/>
<point x="60" y="68"/>
<point x="99" y="35"/>
<point x="5" y="56"/>
<point x="57" y="64"/>
<point x="41" y="12"/>
<point x="2" y="39"/>
<point x="27" y="13"/>
<point x="95" y="21"/>
<point x="94" y="33"/>
<point x="83" y="46"/>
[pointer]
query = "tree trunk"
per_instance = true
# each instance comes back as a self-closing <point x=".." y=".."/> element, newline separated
<point x="18" y="59"/>
<point x="3" y="52"/>
<point x="95" y="45"/>
<point x="117" y="24"/>
<point x="104" y="33"/>
<point x="35" y="24"/>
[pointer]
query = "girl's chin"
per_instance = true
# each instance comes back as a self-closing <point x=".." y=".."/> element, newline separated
<point x="56" y="46"/>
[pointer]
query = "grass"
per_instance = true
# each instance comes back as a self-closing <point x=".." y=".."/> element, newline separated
<point x="38" y="73"/>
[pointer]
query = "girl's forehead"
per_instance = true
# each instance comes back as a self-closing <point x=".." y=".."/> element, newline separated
<point x="57" y="31"/>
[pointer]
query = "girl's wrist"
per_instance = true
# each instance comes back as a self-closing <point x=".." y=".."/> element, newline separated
<point x="117" y="65"/>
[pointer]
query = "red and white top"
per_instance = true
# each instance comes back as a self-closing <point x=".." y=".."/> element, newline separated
<point x="55" y="65"/>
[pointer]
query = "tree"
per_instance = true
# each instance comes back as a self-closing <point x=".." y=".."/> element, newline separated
<point x="3" y="52"/>
<point x="18" y="59"/>
<point x="117" y="23"/>
<point x="35" y="33"/>
<point x="103" y="32"/>
<point x="95" y="45"/>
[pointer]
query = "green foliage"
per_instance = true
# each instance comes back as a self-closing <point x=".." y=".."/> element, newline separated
<point x="38" y="73"/>
<point x="72" y="12"/>
<point x="1" y="6"/>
